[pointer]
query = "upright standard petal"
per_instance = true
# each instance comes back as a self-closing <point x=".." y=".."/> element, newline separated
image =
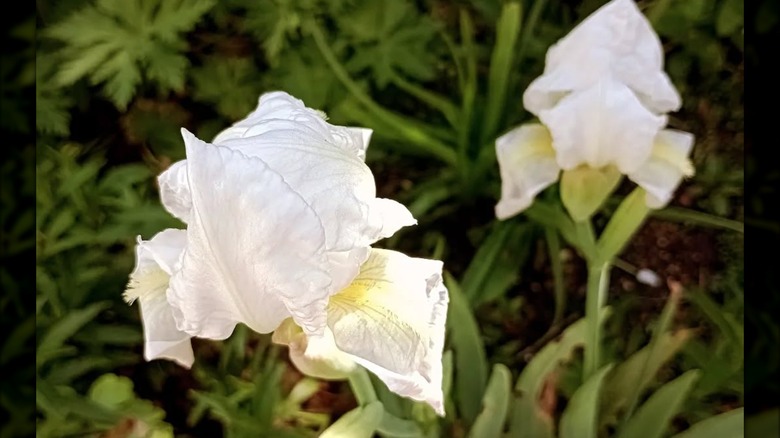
<point x="175" y="191"/>
<point x="616" y="41"/>
<point x="602" y="125"/>
<point x="667" y="166"/>
<point x="156" y="260"/>
<point x="255" y="249"/>
<point x="391" y="321"/>
<point x="276" y="108"/>
<point x="526" y="159"/>
<point x="323" y="163"/>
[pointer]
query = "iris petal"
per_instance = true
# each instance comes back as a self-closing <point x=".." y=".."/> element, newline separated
<point x="527" y="162"/>
<point x="255" y="249"/>
<point x="390" y="320"/>
<point x="156" y="259"/>
<point x="667" y="166"/>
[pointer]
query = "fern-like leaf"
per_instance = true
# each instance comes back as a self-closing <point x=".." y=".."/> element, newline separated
<point x="51" y="104"/>
<point x="390" y="37"/>
<point x="119" y="44"/>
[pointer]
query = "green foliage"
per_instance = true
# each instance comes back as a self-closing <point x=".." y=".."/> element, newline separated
<point x="80" y="215"/>
<point x="304" y="74"/>
<point x="110" y="405"/>
<point x="727" y="424"/>
<point x="156" y="126"/>
<point x="529" y="418"/>
<point x="390" y="38"/>
<point x="470" y="362"/>
<point x="580" y="419"/>
<point x="51" y="103"/>
<point x="493" y="270"/>
<point x="277" y="23"/>
<point x="655" y="415"/>
<point x="253" y="403"/>
<point x="697" y="28"/>
<point x="115" y="44"/>
<point x="238" y="100"/>
<point x="17" y="74"/>
<point x="495" y="404"/>
<point x="360" y="422"/>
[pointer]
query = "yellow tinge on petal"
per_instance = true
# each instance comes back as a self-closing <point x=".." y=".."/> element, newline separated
<point x="146" y="283"/>
<point x="584" y="189"/>
<point x="664" y="151"/>
<point x="390" y="320"/>
<point x="667" y="166"/>
<point x="331" y="364"/>
<point x="526" y="159"/>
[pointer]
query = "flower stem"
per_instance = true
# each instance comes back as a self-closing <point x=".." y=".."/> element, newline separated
<point x="362" y="387"/>
<point x="554" y="250"/>
<point x="586" y="239"/>
<point x="598" y="283"/>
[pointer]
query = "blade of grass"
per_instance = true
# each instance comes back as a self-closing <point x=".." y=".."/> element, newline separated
<point x="470" y="358"/>
<point x="501" y="61"/>
<point x="580" y="419"/>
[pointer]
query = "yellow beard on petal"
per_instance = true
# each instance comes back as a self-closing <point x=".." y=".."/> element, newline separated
<point x="145" y="284"/>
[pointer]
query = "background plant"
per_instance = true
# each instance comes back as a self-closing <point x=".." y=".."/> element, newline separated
<point x="437" y="81"/>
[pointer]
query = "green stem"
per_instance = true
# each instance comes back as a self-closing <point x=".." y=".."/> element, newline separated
<point x="598" y="283"/>
<point x="362" y="387"/>
<point x="435" y="101"/>
<point x="461" y="71"/>
<point x="554" y="250"/>
<point x="409" y="131"/>
<point x="587" y="240"/>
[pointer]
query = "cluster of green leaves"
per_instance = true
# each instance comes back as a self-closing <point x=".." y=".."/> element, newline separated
<point x="437" y="86"/>
<point x="17" y="228"/>
<point x="85" y="223"/>
<point x="697" y="30"/>
<point x="116" y="45"/>
<point x="254" y="404"/>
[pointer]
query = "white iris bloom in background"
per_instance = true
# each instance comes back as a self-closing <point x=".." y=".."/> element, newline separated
<point x="601" y="101"/>
<point x="281" y="212"/>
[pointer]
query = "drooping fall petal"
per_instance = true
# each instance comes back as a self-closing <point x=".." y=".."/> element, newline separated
<point x="527" y="162"/>
<point x="391" y="321"/>
<point x="667" y="166"/>
<point x="156" y="259"/>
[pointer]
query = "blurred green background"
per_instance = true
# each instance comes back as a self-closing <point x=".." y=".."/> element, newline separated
<point x="438" y="81"/>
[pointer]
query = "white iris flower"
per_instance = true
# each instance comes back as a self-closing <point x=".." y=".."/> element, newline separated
<point x="601" y="101"/>
<point x="281" y="211"/>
